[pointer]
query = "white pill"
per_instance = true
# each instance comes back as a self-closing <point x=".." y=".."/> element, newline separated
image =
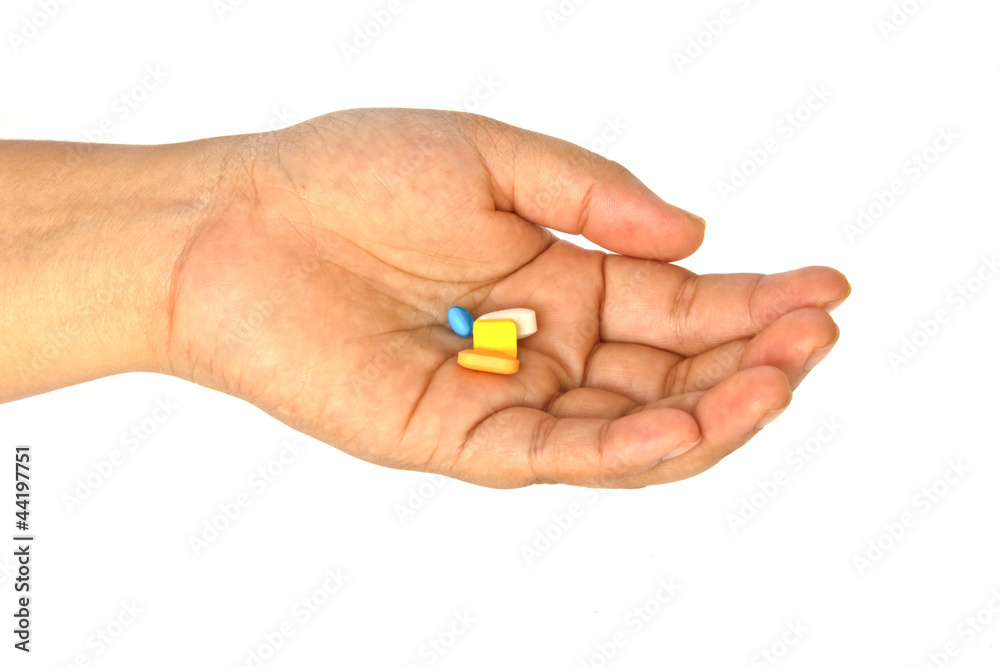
<point x="524" y="318"/>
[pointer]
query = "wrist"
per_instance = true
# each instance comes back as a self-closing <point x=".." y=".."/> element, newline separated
<point x="88" y="255"/>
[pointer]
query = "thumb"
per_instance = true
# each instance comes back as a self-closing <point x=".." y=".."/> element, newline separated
<point x="562" y="186"/>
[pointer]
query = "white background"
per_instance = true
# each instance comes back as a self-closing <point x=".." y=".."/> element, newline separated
<point x="683" y="128"/>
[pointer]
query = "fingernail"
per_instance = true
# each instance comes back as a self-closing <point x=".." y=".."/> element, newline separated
<point x="816" y="357"/>
<point x="769" y="417"/>
<point x="681" y="449"/>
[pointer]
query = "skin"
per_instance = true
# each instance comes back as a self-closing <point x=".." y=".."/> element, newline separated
<point x="309" y="271"/>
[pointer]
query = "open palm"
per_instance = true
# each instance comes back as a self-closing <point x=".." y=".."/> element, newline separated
<point x="319" y="291"/>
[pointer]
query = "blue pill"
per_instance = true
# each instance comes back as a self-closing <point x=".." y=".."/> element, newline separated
<point x="460" y="321"/>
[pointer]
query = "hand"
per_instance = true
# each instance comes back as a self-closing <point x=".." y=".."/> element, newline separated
<point x="309" y="270"/>
<point x="320" y="294"/>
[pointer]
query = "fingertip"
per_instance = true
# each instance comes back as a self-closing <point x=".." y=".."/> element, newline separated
<point x="729" y="415"/>
<point x="807" y="287"/>
<point x="844" y="288"/>
<point x="647" y="437"/>
<point x="675" y="233"/>
<point x="790" y="341"/>
<point x="773" y="398"/>
<point x="830" y="287"/>
<point x="698" y="224"/>
<point x="694" y="233"/>
<point x="729" y="412"/>
<point x="773" y="390"/>
<point x="626" y="217"/>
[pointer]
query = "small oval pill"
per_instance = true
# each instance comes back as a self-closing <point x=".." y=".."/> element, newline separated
<point x="460" y="321"/>
<point x="524" y="318"/>
<point x="489" y="361"/>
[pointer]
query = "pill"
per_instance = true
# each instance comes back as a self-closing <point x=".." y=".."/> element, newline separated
<point x="489" y="361"/>
<point x="460" y="321"/>
<point x="497" y="335"/>
<point x="524" y="318"/>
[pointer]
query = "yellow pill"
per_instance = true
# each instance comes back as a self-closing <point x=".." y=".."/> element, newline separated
<point x="497" y="335"/>
<point x="489" y="361"/>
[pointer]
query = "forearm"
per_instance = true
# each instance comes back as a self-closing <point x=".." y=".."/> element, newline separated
<point x="87" y="254"/>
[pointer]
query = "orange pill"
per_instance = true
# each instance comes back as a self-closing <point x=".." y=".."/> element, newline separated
<point x="489" y="361"/>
